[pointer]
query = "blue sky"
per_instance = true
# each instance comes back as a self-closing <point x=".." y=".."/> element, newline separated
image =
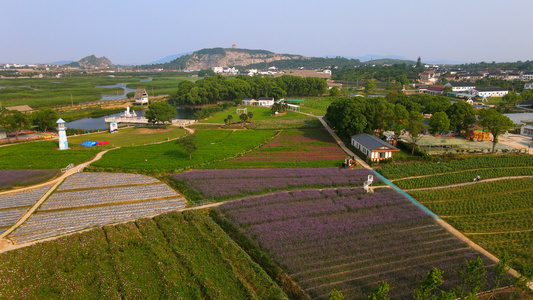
<point x="132" y="31"/>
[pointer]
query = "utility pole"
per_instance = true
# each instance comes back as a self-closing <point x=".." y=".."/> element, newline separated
<point x="71" y="101"/>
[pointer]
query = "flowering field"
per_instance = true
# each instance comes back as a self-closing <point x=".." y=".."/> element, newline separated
<point x="292" y="148"/>
<point x="222" y="184"/>
<point x="172" y="256"/>
<point x="213" y="145"/>
<point x="346" y="239"/>
<point x="13" y="178"/>
<point x="496" y="215"/>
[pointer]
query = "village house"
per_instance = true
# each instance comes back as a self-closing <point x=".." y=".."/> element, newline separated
<point x="141" y="97"/>
<point x="436" y="90"/>
<point x="25" y="109"/>
<point x="528" y="86"/>
<point x="373" y="147"/>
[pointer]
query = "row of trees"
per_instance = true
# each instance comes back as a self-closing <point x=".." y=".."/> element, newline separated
<point x="219" y="88"/>
<point x="14" y="121"/>
<point x="400" y="112"/>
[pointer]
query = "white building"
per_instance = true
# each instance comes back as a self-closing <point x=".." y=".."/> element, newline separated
<point x="528" y="86"/>
<point x="527" y="76"/>
<point x="461" y="86"/>
<point x="141" y="97"/>
<point x="373" y="147"/>
<point x="490" y="92"/>
<point x="217" y="70"/>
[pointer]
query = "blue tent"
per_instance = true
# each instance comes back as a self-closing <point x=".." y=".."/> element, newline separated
<point x="89" y="144"/>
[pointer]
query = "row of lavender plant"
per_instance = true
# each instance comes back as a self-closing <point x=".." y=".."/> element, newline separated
<point x="220" y="184"/>
<point x="12" y="178"/>
<point x="348" y="240"/>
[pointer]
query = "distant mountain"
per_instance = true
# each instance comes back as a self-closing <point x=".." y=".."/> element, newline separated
<point x="92" y="61"/>
<point x="170" y="58"/>
<point x="61" y="62"/>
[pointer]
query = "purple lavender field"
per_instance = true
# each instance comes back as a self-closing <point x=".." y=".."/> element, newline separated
<point x="220" y="184"/>
<point x="346" y="239"/>
<point x="12" y="178"/>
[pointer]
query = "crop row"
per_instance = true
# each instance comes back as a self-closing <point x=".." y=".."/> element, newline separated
<point x="47" y="224"/>
<point x="505" y="222"/>
<point x="347" y="239"/>
<point x="172" y="256"/>
<point x="478" y="162"/>
<point x="219" y="184"/>
<point x="8" y="217"/>
<point x="107" y="196"/>
<point x="12" y="178"/>
<point x="461" y="177"/>
<point x="94" y="180"/>
<point x="24" y="198"/>
<point x="469" y="191"/>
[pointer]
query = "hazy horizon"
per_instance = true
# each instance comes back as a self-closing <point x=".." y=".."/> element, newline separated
<point x="140" y="32"/>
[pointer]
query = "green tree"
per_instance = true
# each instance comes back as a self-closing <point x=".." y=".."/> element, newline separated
<point x="230" y="118"/>
<point x="400" y="119"/>
<point x="334" y="91"/>
<point x="160" y="112"/>
<point x="381" y="292"/>
<point x="433" y="281"/>
<point x="44" y="118"/>
<point x="526" y="95"/>
<point x="471" y="279"/>
<point x="335" y="295"/>
<point x="14" y="121"/>
<point x="415" y="126"/>
<point x="512" y="98"/>
<point x="461" y="115"/>
<point x="439" y="122"/>
<point x="370" y="86"/>
<point x="495" y="122"/>
<point x="243" y="117"/>
<point x="250" y="115"/>
<point x="448" y="88"/>
<point x="402" y="79"/>
<point x="500" y="271"/>
<point x="189" y="144"/>
<point x="419" y="68"/>
<point x="204" y="73"/>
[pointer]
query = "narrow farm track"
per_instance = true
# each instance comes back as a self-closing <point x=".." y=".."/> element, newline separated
<point x="467" y="183"/>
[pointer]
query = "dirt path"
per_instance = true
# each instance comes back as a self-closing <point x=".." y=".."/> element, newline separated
<point x="453" y="172"/>
<point x="467" y="183"/>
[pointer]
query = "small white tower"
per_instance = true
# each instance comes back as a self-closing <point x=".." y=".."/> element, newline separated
<point x="63" y="143"/>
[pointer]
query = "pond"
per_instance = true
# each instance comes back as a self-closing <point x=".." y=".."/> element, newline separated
<point x="99" y="123"/>
<point x="117" y="95"/>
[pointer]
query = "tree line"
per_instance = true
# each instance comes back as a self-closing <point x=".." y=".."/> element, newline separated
<point x="399" y="112"/>
<point x="219" y="88"/>
<point x="14" y="121"/>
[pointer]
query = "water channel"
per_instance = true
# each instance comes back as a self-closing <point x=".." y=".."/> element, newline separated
<point x="99" y="123"/>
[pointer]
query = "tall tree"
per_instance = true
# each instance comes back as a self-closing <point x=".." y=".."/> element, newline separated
<point x="230" y="118"/>
<point x="189" y="144"/>
<point x="160" y="112"/>
<point x="45" y="118"/>
<point x="461" y="115"/>
<point x="512" y="98"/>
<point x="243" y="117"/>
<point x="414" y="126"/>
<point x="439" y="122"/>
<point x="14" y="121"/>
<point x="370" y="86"/>
<point x="381" y="292"/>
<point x="495" y="122"/>
<point x="471" y="279"/>
<point x="419" y="66"/>
<point x="432" y="282"/>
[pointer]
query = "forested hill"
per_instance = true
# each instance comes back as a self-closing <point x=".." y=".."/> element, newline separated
<point x="262" y="59"/>
<point x="92" y="61"/>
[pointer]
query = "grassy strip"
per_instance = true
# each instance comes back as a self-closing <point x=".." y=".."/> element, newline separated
<point x="42" y="155"/>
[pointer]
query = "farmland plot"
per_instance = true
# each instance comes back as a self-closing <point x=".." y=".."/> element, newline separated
<point x="348" y="240"/>
<point x="496" y="215"/>
<point x="223" y="184"/>
<point x="80" y="202"/>
<point x="172" y="256"/>
<point x="292" y="148"/>
<point x="14" y="205"/>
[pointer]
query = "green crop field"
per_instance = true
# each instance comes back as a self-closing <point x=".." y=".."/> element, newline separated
<point x="213" y="145"/>
<point x="291" y="148"/>
<point x="65" y="91"/>
<point x="172" y="256"/>
<point x="130" y="136"/>
<point x="42" y="155"/>
<point x="496" y="215"/>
